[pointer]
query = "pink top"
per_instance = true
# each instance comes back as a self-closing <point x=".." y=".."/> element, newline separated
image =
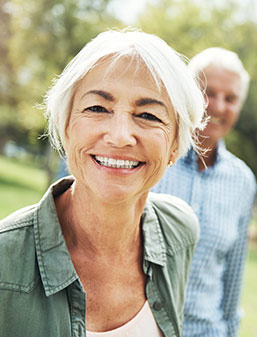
<point x="142" y="325"/>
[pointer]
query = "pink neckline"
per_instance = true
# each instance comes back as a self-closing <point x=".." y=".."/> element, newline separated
<point x="145" y="308"/>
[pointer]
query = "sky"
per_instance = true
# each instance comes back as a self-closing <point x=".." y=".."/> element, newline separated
<point x="127" y="10"/>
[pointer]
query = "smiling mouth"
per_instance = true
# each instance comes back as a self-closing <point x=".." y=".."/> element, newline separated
<point x="117" y="163"/>
<point x="215" y="120"/>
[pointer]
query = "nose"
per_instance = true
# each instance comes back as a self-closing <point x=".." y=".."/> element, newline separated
<point x="121" y="130"/>
<point x="218" y="104"/>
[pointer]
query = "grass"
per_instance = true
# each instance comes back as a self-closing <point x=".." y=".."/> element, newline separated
<point x="22" y="184"/>
<point x="249" y="298"/>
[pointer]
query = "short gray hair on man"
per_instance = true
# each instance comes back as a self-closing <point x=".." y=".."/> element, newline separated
<point x="167" y="67"/>
<point x="225" y="59"/>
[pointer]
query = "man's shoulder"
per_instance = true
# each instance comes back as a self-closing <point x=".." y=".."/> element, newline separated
<point x="238" y="168"/>
<point x="175" y="216"/>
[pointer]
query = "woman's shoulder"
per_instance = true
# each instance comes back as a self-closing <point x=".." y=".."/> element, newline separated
<point x="18" y="219"/>
<point x="176" y="217"/>
<point x="17" y="250"/>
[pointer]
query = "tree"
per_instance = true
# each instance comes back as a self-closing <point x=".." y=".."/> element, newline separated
<point x="7" y="79"/>
<point x="38" y="39"/>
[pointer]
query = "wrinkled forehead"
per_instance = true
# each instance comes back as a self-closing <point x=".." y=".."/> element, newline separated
<point x="223" y="78"/>
<point x="117" y="65"/>
<point x="133" y="68"/>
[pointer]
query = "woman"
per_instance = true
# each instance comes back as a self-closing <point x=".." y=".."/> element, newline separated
<point x="99" y="255"/>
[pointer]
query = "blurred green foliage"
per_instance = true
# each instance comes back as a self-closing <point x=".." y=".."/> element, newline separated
<point x="37" y="39"/>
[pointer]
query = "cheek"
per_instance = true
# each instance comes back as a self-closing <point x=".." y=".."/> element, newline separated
<point x="163" y="143"/>
<point x="76" y="143"/>
<point x="77" y="133"/>
<point x="170" y="136"/>
<point x="74" y="157"/>
<point x="233" y="116"/>
<point x="210" y="108"/>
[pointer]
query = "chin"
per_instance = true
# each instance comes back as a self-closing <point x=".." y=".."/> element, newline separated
<point x="114" y="195"/>
<point x="212" y="135"/>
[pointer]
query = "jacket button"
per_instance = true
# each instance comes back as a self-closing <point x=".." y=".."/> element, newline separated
<point x="157" y="305"/>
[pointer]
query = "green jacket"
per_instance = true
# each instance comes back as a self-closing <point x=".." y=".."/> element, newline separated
<point x="40" y="292"/>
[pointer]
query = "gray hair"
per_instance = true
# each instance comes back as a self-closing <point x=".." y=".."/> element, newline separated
<point x="225" y="59"/>
<point x="165" y="65"/>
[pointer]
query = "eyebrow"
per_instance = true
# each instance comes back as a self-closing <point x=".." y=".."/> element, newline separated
<point x="149" y="101"/>
<point x="140" y="102"/>
<point x="106" y="95"/>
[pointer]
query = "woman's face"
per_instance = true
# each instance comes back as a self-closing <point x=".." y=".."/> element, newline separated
<point x="121" y="132"/>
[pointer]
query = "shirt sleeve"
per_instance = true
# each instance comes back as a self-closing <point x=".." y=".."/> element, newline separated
<point x="235" y="262"/>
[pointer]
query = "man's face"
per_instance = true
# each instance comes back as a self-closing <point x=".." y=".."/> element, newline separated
<point x="224" y="102"/>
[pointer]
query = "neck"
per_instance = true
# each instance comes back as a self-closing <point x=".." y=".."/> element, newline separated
<point x="94" y="226"/>
<point x="210" y="151"/>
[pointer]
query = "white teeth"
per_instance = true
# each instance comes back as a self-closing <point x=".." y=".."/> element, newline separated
<point x="215" y="120"/>
<point x="117" y="163"/>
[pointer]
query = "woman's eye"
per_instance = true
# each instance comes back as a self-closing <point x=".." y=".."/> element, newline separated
<point x="148" y="116"/>
<point x="96" y="108"/>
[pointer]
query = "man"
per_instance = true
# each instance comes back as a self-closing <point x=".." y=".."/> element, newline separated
<point x="221" y="191"/>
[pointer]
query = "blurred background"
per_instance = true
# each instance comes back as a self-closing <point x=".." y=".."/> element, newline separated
<point x="38" y="38"/>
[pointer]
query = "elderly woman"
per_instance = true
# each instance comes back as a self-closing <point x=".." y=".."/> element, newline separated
<point x="99" y="255"/>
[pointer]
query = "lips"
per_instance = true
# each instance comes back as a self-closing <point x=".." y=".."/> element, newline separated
<point x="117" y="163"/>
<point x="215" y="120"/>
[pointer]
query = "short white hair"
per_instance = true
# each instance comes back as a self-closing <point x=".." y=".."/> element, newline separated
<point x="167" y="67"/>
<point x="225" y="59"/>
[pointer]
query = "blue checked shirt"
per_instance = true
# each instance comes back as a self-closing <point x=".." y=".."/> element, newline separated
<point x="222" y="197"/>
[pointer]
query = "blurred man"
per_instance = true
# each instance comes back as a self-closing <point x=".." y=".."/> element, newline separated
<point x="221" y="192"/>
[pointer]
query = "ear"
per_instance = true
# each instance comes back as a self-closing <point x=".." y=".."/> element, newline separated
<point x="173" y="153"/>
